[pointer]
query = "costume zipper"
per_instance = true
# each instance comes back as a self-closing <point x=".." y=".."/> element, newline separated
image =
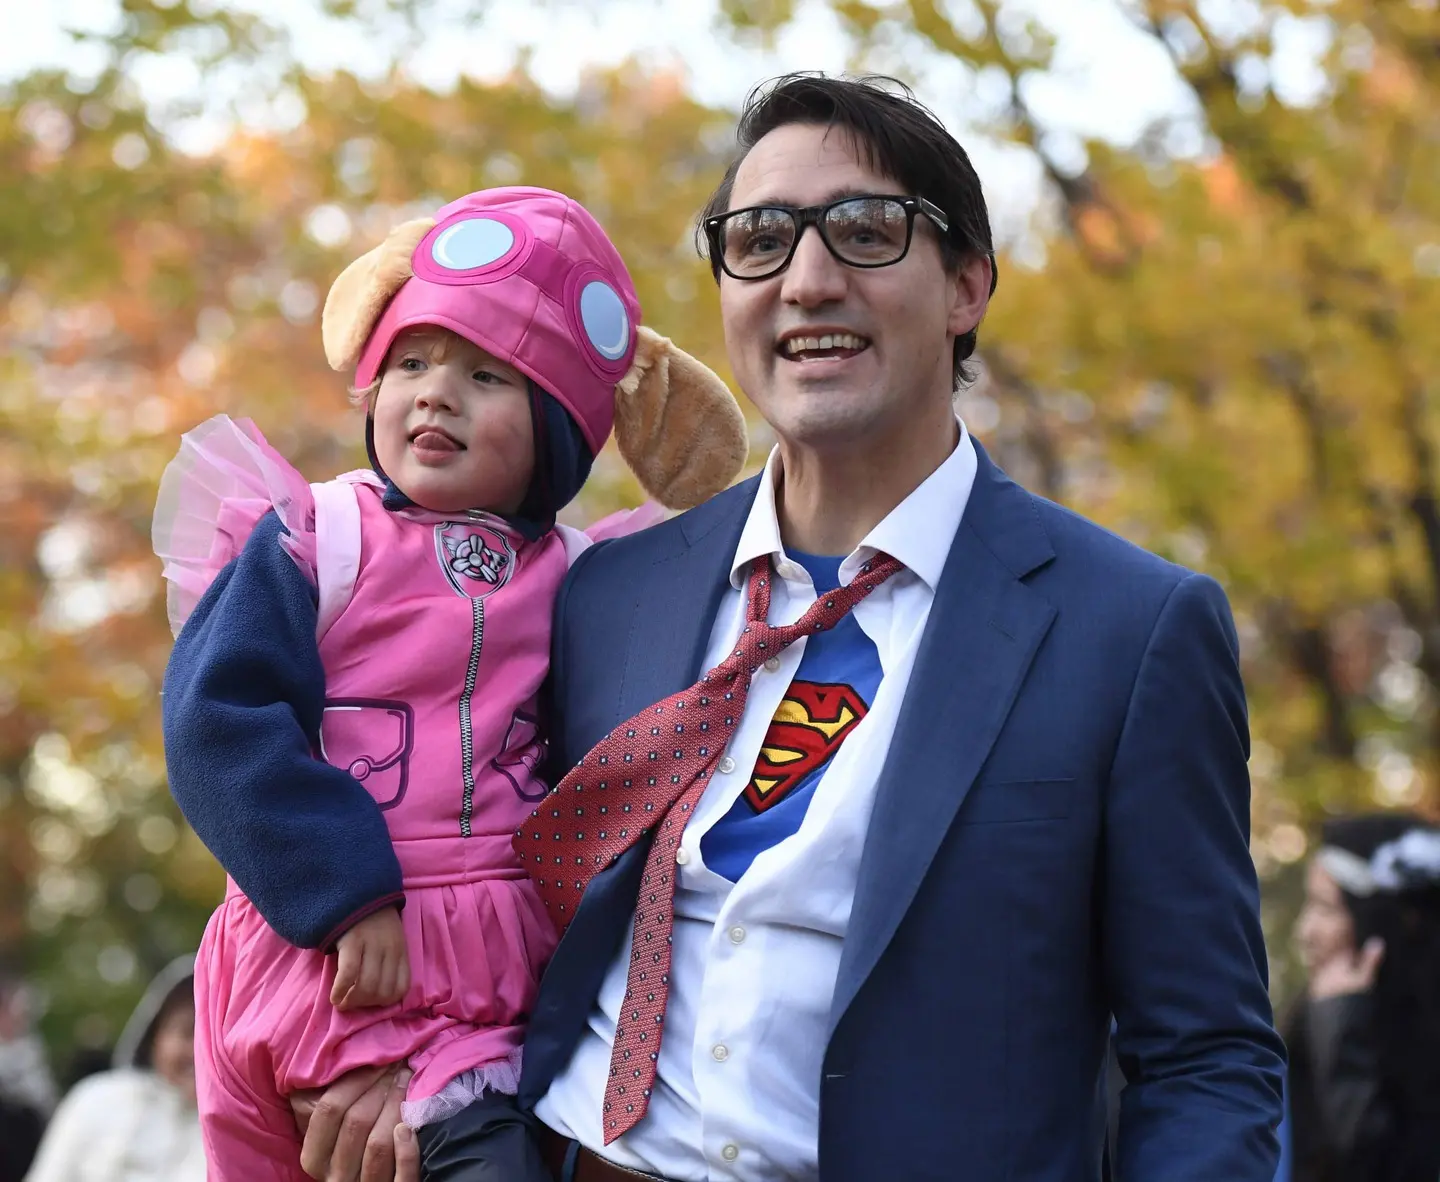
<point x="467" y="730"/>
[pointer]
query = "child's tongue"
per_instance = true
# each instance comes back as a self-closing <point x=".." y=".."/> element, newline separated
<point x="434" y="441"/>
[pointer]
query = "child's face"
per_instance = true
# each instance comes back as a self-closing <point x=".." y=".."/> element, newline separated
<point x="452" y="424"/>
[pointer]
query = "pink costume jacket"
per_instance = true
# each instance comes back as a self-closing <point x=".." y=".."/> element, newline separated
<point x="434" y="634"/>
<point x="433" y="671"/>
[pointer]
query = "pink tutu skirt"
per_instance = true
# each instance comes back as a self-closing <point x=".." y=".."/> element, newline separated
<point x="223" y="480"/>
<point x="476" y="952"/>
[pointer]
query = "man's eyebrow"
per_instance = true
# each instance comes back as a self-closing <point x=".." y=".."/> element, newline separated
<point x="838" y="194"/>
<point x="860" y="191"/>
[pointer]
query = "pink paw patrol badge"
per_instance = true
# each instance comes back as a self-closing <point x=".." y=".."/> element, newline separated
<point x="475" y="558"/>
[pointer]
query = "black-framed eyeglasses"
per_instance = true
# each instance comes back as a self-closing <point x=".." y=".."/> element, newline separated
<point x="870" y="230"/>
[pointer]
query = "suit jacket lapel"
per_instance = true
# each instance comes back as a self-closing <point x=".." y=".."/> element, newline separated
<point x="984" y="628"/>
<point x="677" y="600"/>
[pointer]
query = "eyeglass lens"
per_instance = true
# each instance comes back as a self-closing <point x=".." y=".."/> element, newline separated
<point x="865" y="231"/>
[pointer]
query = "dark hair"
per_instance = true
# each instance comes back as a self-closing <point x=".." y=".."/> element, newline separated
<point x="180" y="998"/>
<point x="897" y="136"/>
<point x="1362" y="834"/>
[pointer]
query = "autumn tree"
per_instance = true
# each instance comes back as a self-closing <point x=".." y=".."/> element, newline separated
<point x="1220" y="343"/>
<point x="144" y="289"/>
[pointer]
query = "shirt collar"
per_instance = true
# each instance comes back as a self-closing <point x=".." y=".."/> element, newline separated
<point x="918" y="531"/>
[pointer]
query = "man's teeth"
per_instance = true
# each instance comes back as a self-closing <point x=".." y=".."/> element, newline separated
<point x="840" y="340"/>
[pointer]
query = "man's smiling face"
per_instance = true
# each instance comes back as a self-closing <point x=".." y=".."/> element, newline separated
<point x="888" y="357"/>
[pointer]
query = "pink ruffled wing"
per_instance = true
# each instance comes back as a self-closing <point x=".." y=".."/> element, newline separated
<point x="626" y="521"/>
<point x="223" y="480"/>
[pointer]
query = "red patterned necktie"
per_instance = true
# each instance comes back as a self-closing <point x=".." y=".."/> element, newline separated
<point x="647" y="776"/>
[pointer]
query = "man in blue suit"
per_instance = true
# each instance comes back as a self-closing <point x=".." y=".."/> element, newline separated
<point x="1000" y="801"/>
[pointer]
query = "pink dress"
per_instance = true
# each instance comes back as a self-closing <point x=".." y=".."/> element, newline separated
<point x="432" y="674"/>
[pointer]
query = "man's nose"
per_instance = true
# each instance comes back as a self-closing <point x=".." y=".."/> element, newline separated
<point x="814" y="276"/>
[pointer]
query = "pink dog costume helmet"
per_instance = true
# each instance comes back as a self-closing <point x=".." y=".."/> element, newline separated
<point x="529" y="276"/>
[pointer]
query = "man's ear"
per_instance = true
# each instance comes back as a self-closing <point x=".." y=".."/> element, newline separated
<point x="973" y="283"/>
<point x="363" y="289"/>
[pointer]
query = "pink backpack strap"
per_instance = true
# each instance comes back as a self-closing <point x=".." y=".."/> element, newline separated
<point x="337" y="544"/>
<point x="576" y="542"/>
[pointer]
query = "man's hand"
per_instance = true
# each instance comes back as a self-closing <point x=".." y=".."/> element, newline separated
<point x="1349" y="971"/>
<point x="374" y="966"/>
<point x="407" y="1155"/>
<point x="351" y="1128"/>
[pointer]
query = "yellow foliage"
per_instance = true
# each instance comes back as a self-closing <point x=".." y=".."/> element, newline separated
<point x="147" y="290"/>
<point x="1231" y="360"/>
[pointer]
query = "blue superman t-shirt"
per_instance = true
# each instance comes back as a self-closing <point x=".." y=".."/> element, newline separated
<point x="831" y="693"/>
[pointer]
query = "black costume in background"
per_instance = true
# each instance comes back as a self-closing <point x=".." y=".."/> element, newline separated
<point x="1347" y="1126"/>
<point x="20" y="1130"/>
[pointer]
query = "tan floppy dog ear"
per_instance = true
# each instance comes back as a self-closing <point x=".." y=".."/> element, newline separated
<point x="677" y="424"/>
<point x="363" y="289"/>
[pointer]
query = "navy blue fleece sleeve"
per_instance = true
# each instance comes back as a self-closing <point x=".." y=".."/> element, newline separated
<point x="244" y="696"/>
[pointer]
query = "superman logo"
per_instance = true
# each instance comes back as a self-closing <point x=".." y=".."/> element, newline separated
<point x="807" y="730"/>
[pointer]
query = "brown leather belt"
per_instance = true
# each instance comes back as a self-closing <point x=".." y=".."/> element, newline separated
<point x="589" y="1167"/>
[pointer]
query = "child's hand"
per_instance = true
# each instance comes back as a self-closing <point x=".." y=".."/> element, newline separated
<point x="374" y="968"/>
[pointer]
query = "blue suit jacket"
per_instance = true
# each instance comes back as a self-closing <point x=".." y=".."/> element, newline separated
<point x="1060" y="833"/>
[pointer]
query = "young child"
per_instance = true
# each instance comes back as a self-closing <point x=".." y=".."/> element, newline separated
<point x="351" y="709"/>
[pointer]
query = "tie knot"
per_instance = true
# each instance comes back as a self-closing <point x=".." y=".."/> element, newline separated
<point x="760" y="640"/>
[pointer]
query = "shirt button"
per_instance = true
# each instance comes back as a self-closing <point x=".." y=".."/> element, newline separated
<point x="721" y="1052"/>
<point x="682" y="855"/>
<point x="772" y="664"/>
<point x="730" y="1152"/>
<point x="737" y="935"/>
<point x="727" y="765"/>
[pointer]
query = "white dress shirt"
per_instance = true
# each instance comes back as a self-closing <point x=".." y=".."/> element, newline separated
<point x="755" y="962"/>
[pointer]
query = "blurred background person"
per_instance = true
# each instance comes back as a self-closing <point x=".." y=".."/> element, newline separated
<point x="27" y="1089"/>
<point x="136" y="1122"/>
<point x="1364" y="1038"/>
